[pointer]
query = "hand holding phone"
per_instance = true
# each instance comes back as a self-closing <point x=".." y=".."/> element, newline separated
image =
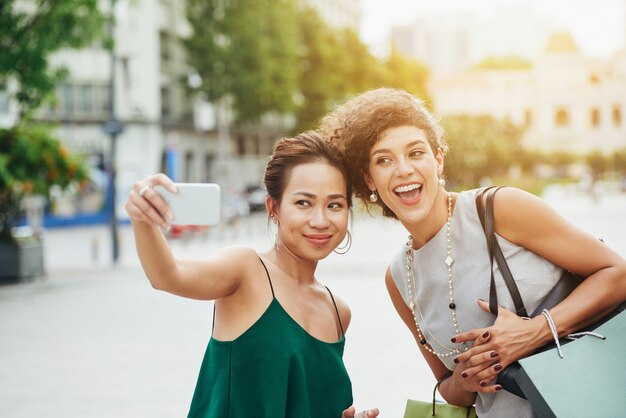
<point x="193" y="204"/>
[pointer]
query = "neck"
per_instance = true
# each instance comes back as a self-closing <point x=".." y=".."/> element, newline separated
<point x="425" y="230"/>
<point x="300" y="270"/>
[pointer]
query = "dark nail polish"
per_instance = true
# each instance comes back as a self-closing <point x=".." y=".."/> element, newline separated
<point x="486" y="334"/>
<point x="464" y="374"/>
<point x="494" y="354"/>
<point x="483" y="384"/>
<point x="498" y="367"/>
<point x="453" y="339"/>
<point x="498" y="387"/>
<point x="456" y="360"/>
<point x="482" y="300"/>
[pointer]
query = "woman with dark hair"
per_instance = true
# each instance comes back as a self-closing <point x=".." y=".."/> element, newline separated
<point x="439" y="279"/>
<point x="278" y="337"/>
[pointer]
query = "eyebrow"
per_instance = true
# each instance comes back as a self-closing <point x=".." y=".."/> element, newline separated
<point x="409" y="145"/>
<point x="312" y="196"/>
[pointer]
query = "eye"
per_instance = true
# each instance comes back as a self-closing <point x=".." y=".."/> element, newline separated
<point x="303" y="203"/>
<point x="336" y="205"/>
<point x="416" y="153"/>
<point x="383" y="160"/>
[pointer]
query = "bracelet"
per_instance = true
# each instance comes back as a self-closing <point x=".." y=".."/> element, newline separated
<point x="555" y="334"/>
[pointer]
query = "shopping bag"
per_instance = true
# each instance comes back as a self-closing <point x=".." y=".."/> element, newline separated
<point x="589" y="381"/>
<point x="419" y="409"/>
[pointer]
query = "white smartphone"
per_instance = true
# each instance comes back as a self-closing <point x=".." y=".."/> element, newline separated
<point x="194" y="204"/>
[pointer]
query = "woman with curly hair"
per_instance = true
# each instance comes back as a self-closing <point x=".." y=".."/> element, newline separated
<point x="439" y="280"/>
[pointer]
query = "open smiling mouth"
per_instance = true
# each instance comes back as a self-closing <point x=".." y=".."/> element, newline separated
<point x="409" y="191"/>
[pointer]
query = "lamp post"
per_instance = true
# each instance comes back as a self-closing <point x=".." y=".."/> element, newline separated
<point x="113" y="128"/>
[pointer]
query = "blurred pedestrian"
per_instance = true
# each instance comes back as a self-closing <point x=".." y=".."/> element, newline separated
<point x="439" y="278"/>
<point x="278" y="334"/>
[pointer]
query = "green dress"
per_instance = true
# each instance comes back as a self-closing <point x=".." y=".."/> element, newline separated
<point x="274" y="369"/>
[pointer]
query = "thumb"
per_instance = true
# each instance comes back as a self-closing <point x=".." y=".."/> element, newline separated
<point x="484" y="305"/>
<point x="372" y="413"/>
<point x="348" y="413"/>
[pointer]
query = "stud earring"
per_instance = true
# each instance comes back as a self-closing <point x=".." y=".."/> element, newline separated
<point x="442" y="181"/>
<point x="373" y="196"/>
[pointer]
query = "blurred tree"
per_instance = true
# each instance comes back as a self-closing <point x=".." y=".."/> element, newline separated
<point x="247" y="50"/>
<point x="410" y="75"/>
<point x="510" y="62"/>
<point x="598" y="163"/>
<point x="31" y="30"/>
<point x="331" y="67"/>
<point x="479" y="146"/>
<point x="619" y="161"/>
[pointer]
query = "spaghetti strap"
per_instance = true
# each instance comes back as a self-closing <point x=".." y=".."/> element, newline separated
<point x="271" y="287"/>
<point x="268" y="278"/>
<point x="336" y="310"/>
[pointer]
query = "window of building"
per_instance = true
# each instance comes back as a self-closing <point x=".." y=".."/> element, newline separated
<point x="85" y="98"/>
<point x="208" y="167"/>
<point x="241" y="145"/>
<point x="595" y="117"/>
<point x="257" y="144"/>
<point x="528" y="117"/>
<point x="561" y="117"/>
<point x="188" y="166"/>
<point x="164" y="46"/>
<point x="66" y="99"/>
<point x="594" y="79"/>
<point x="616" y="115"/>
<point x="166" y="98"/>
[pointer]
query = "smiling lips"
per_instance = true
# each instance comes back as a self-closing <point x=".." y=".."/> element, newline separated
<point x="319" y="239"/>
<point x="408" y="193"/>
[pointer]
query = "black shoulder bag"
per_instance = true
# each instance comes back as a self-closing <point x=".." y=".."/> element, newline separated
<point x="509" y="377"/>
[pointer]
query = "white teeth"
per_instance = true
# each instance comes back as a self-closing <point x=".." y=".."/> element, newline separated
<point x="407" y="188"/>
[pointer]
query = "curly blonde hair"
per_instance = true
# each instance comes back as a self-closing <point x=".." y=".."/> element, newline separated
<point x="357" y="125"/>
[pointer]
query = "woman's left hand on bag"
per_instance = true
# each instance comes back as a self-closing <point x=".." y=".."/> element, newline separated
<point x="477" y="372"/>
<point x="511" y="337"/>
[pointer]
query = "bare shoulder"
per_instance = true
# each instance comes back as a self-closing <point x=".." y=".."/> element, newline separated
<point x="241" y="261"/>
<point x="344" y="312"/>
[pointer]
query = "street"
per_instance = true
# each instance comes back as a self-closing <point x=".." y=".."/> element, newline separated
<point x="91" y="340"/>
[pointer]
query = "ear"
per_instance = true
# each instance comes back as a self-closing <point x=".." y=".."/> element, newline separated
<point x="439" y="158"/>
<point x="271" y="206"/>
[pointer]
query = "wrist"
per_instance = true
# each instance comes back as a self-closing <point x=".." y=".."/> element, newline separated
<point x="542" y="333"/>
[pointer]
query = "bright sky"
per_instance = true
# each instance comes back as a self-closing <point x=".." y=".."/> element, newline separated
<point x="598" y="26"/>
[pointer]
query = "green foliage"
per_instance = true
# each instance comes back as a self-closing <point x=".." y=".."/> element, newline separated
<point x="598" y="163"/>
<point x="31" y="30"/>
<point x="619" y="161"/>
<point x="510" y="62"/>
<point x="407" y="74"/>
<point x="479" y="147"/>
<point x="245" y="49"/>
<point x="31" y="162"/>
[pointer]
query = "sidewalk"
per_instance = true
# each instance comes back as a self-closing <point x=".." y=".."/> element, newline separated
<point x="90" y="340"/>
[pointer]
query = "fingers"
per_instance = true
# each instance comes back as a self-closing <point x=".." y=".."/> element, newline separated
<point x="372" y="413"/>
<point x="348" y="413"/>
<point x="146" y="205"/>
<point x="482" y="336"/>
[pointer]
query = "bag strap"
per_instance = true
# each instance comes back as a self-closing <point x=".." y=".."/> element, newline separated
<point x="486" y="220"/>
<point x="447" y="375"/>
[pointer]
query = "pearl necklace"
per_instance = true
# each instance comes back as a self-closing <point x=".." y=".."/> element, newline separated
<point x="411" y="288"/>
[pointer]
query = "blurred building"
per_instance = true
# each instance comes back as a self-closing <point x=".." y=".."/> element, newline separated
<point x="165" y="128"/>
<point x="452" y="42"/>
<point x="566" y="101"/>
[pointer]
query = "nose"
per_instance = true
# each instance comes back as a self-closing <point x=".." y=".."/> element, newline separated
<point x="404" y="167"/>
<point x="318" y="219"/>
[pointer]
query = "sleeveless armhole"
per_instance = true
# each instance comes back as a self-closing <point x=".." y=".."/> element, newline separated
<point x="337" y="311"/>
<point x="273" y="296"/>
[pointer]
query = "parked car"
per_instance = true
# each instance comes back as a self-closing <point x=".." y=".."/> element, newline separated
<point x="256" y="198"/>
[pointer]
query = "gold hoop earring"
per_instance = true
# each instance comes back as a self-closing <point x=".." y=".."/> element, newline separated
<point x="346" y="247"/>
<point x="374" y="196"/>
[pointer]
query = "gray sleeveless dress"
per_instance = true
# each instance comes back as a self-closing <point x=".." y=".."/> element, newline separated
<point x="534" y="276"/>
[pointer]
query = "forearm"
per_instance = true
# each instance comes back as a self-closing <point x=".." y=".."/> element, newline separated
<point x="455" y="395"/>
<point x="593" y="299"/>
<point x="155" y="255"/>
